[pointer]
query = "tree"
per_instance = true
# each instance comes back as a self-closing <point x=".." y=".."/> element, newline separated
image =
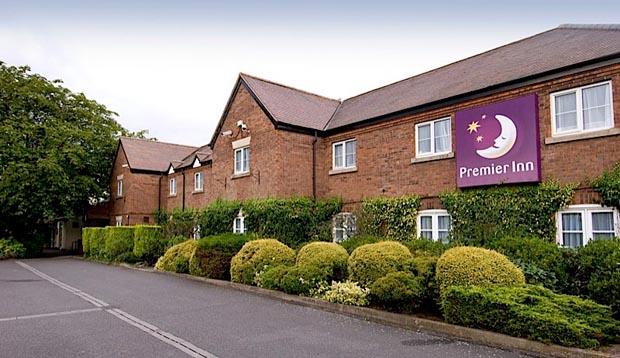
<point x="56" y="151"/>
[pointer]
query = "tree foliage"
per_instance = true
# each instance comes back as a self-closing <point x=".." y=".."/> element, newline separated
<point x="56" y="150"/>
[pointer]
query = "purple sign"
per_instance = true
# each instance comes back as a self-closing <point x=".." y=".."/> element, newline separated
<point x="498" y="143"/>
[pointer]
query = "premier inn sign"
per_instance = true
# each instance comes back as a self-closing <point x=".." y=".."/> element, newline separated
<point x="498" y="143"/>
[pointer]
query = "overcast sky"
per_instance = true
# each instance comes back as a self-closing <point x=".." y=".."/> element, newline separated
<point x="169" y="66"/>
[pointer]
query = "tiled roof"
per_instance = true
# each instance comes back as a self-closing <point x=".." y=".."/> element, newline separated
<point x="151" y="155"/>
<point x="203" y="153"/>
<point x="292" y="106"/>
<point x="552" y="50"/>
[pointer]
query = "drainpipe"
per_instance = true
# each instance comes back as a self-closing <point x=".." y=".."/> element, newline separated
<point x="314" y="165"/>
<point x="183" y="205"/>
<point x="159" y="194"/>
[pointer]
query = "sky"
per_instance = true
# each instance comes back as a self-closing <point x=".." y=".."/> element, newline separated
<point x="170" y="66"/>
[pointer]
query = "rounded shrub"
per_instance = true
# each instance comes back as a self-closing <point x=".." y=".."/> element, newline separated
<point x="398" y="291"/>
<point x="176" y="258"/>
<point x="213" y="254"/>
<point x="296" y="280"/>
<point x="256" y="256"/>
<point x="10" y="249"/>
<point x="327" y="257"/>
<point x="369" y="262"/>
<point x="358" y="240"/>
<point x="148" y="243"/>
<point x="465" y="266"/>
<point x="118" y="241"/>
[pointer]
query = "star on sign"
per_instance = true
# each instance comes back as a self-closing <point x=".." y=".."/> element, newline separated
<point x="479" y="138"/>
<point x="473" y="127"/>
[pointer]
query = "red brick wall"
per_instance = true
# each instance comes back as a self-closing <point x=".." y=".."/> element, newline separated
<point x="385" y="150"/>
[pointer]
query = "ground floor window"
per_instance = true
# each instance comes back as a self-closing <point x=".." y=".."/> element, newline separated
<point x="119" y="221"/>
<point x="434" y="225"/>
<point x="344" y="225"/>
<point x="578" y="224"/>
<point x="196" y="232"/>
<point x="239" y="223"/>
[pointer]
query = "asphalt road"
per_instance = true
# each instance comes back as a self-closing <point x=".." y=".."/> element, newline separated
<point x="64" y="307"/>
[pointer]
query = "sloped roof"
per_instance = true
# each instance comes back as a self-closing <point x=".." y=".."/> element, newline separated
<point x="202" y="153"/>
<point x="143" y="154"/>
<point x="555" y="49"/>
<point x="290" y="105"/>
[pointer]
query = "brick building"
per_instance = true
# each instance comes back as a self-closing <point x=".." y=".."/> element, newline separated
<point x="536" y="109"/>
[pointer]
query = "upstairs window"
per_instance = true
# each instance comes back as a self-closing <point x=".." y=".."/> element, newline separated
<point x="579" y="224"/>
<point x="434" y="137"/>
<point x="119" y="187"/>
<point x="173" y="186"/>
<point x="434" y="225"/>
<point x="344" y="154"/>
<point x="582" y="109"/>
<point x="239" y="223"/>
<point x="242" y="160"/>
<point x="198" y="182"/>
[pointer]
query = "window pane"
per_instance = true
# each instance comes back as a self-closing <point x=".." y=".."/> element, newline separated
<point x="596" y="107"/>
<point x="443" y="236"/>
<point x="603" y="235"/>
<point x="571" y="222"/>
<point x="572" y="239"/>
<point x="338" y="156"/>
<point x="246" y="159"/>
<point x="339" y="235"/>
<point x="426" y="235"/>
<point x="566" y="112"/>
<point x="426" y="222"/>
<point x="424" y="138"/>
<point x="603" y="221"/>
<point x="350" y="153"/>
<point x="238" y="161"/>
<point x="442" y="136"/>
<point x="443" y="222"/>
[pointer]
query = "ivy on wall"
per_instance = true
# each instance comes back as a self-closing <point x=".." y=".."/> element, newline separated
<point x="394" y="218"/>
<point x="608" y="184"/>
<point x="481" y="215"/>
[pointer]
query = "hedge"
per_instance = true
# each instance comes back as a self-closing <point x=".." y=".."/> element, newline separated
<point x="480" y="216"/>
<point x="218" y="217"/>
<point x="296" y="280"/>
<point x="213" y="255"/>
<point x="531" y="312"/>
<point x="327" y="257"/>
<point x="118" y="241"/>
<point x="370" y="262"/>
<point x="176" y="258"/>
<point x="11" y="249"/>
<point x="257" y="256"/>
<point x="93" y="242"/>
<point x="464" y="266"/>
<point x="358" y="240"/>
<point x="149" y="243"/>
<point x="398" y="291"/>
<point x="394" y="218"/>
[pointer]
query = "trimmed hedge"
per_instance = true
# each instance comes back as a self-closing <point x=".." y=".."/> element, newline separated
<point x="256" y="256"/>
<point x="176" y="258"/>
<point x="218" y="217"/>
<point x="327" y="257"/>
<point x="531" y="312"/>
<point x="149" y="243"/>
<point x="389" y="217"/>
<point x="296" y="280"/>
<point x="118" y="241"/>
<point x="213" y="255"/>
<point x="427" y="247"/>
<point x="464" y="266"/>
<point x="96" y="241"/>
<point x="358" y="240"/>
<point x="370" y="262"/>
<point x="398" y="291"/>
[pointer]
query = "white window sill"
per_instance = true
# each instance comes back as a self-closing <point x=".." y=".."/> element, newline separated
<point x="240" y="175"/>
<point x="343" y="170"/>
<point x="431" y="158"/>
<point x="582" y="135"/>
<point x="198" y="191"/>
<point x="172" y="195"/>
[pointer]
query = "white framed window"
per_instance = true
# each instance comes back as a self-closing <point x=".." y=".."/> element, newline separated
<point x="344" y="225"/>
<point x="173" y="186"/>
<point x="344" y="154"/>
<point x="239" y="223"/>
<point x="242" y="160"/>
<point x="119" y="220"/>
<point x="579" y="224"/>
<point x="198" y="181"/>
<point x="582" y="109"/>
<point x="119" y="187"/>
<point x="433" y="137"/>
<point x="434" y="225"/>
<point x="196" y="232"/>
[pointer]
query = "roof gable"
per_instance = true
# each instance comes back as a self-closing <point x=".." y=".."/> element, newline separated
<point x="151" y="155"/>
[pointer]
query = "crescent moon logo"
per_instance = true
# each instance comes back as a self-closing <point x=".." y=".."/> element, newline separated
<point x="504" y="142"/>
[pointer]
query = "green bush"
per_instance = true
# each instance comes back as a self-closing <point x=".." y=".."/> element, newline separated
<point x="370" y="262"/>
<point x="531" y="312"/>
<point x="118" y="240"/>
<point x="389" y="217"/>
<point x="213" y="255"/>
<point x="464" y="266"/>
<point x="87" y="233"/>
<point x="598" y="272"/>
<point x="427" y="247"/>
<point x="296" y="280"/>
<point x="398" y="291"/>
<point x="608" y="184"/>
<point x="358" y="240"/>
<point x="542" y="261"/>
<point x="424" y="265"/>
<point x="218" y="217"/>
<point x="149" y="243"/>
<point x="11" y="249"/>
<point x="176" y="258"/>
<point x="292" y="221"/>
<point x="174" y="240"/>
<point x="483" y="215"/>
<point x="93" y="241"/>
<point x="327" y="257"/>
<point x="180" y="223"/>
<point x="345" y="293"/>
<point x="256" y="256"/>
